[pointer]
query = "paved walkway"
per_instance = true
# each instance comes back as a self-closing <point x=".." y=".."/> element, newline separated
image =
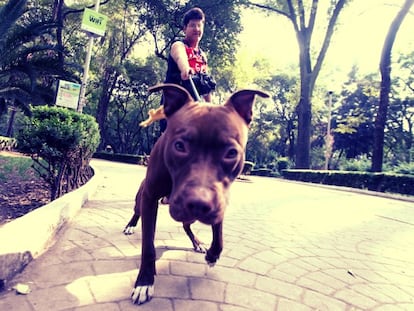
<point x="288" y="246"/>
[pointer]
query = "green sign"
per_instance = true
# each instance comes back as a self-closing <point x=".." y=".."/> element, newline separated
<point x="94" y="22"/>
<point x="68" y="94"/>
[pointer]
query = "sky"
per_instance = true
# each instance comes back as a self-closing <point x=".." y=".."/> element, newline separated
<point x="361" y="32"/>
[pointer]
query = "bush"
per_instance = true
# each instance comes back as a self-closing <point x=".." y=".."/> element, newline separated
<point x="405" y="168"/>
<point x="262" y="172"/>
<point x="124" y="158"/>
<point x="282" y="164"/>
<point x="381" y="182"/>
<point x="361" y="164"/>
<point x="61" y="143"/>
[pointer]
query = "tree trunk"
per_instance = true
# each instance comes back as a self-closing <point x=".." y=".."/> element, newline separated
<point x="304" y="108"/>
<point x="303" y="139"/>
<point x="108" y="85"/>
<point x="385" y="69"/>
<point x="58" y="18"/>
<point x="11" y="121"/>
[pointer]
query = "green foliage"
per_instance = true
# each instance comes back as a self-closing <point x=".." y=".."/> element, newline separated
<point x="405" y="168"/>
<point x="14" y="166"/>
<point x="124" y="158"/>
<point x="353" y="121"/>
<point x="65" y="140"/>
<point x="381" y="182"/>
<point x="29" y="61"/>
<point x="272" y="133"/>
<point x="9" y="13"/>
<point x="360" y="164"/>
<point x="262" y="172"/>
<point x="129" y="106"/>
<point x="283" y="164"/>
<point x="163" y="20"/>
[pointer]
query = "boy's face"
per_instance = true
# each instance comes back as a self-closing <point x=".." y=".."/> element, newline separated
<point x="194" y="29"/>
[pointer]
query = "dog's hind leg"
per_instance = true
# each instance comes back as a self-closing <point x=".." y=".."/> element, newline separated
<point x="197" y="244"/>
<point x="130" y="227"/>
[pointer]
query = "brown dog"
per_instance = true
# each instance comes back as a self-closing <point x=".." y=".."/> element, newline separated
<point x="194" y="163"/>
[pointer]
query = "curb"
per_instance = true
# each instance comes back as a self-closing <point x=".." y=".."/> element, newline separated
<point x="29" y="236"/>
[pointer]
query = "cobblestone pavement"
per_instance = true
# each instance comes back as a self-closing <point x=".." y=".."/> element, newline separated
<point x="287" y="246"/>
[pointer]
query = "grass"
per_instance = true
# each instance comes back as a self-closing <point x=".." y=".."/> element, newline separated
<point x="15" y="166"/>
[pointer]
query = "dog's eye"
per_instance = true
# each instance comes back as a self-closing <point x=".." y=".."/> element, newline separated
<point x="179" y="146"/>
<point x="231" y="153"/>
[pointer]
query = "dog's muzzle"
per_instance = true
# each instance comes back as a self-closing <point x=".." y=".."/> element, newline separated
<point x="197" y="203"/>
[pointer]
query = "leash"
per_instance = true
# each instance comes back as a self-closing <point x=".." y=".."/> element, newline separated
<point x="197" y="96"/>
<point x="158" y="114"/>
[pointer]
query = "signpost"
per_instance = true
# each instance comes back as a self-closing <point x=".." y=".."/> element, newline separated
<point x="68" y="94"/>
<point x="94" y="24"/>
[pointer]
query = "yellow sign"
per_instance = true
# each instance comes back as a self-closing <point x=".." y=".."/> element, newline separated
<point x="94" y="22"/>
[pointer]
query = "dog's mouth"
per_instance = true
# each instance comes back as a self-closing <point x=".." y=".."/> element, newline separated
<point x="201" y="205"/>
<point x="183" y="216"/>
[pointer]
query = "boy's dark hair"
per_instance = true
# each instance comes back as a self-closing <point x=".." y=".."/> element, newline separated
<point x="194" y="13"/>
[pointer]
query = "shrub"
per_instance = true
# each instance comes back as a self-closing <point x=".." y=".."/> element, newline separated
<point x="61" y="143"/>
<point x="282" y="164"/>
<point x="361" y="164"/>
<point x="381" y="182"/>
<point x="124" y="158"/>
<point x="405" y="168"/>
<point x="262" y="172"/>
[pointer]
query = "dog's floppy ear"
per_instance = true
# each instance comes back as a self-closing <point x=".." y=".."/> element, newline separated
<point x="243" y="102"/>
<point x="174" y="97"/>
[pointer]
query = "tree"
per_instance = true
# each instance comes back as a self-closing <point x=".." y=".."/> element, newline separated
<point x="28" y="58"/>
<point x="385" y="69"/>
<point x="129" y="105"/>
<point x="353" y="120"/>
<point x="398" y="139"/>
<point x="402" y="109"/>
<point x="131" y="20"/>
<point x="304" y="25"/>
<point x="121" y="37"/>
<point x="163" y="19"/>
<point x="284" y="91"/>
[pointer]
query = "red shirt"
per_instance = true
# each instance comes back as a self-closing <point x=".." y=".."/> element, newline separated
<point x="196" y="60"/>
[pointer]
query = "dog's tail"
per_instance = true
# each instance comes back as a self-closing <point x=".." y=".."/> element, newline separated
<point x="153" y="115"/>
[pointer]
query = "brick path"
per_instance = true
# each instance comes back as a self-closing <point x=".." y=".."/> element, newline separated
<point x="288" y="246"/>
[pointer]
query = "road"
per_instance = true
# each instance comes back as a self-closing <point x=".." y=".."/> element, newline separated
<point x="287" y="246"/>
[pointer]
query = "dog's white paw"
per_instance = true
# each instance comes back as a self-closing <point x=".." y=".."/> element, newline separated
<point x="129" y="230"/>
<point x="200" y="249"/>
<point x="142" y="294"/>
<point x="211" y="264"/>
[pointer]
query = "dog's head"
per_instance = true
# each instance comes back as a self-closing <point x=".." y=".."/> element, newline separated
<point x="204" y="149"/>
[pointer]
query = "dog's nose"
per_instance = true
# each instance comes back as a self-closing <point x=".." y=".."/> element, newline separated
<point x="198" y="207"/>
<point x="200" y="201"/>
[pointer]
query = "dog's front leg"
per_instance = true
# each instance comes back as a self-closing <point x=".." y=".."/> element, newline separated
<point x="213" y="253"/>
<point x="144" y="285"/>
<point x="197" y="245"/>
